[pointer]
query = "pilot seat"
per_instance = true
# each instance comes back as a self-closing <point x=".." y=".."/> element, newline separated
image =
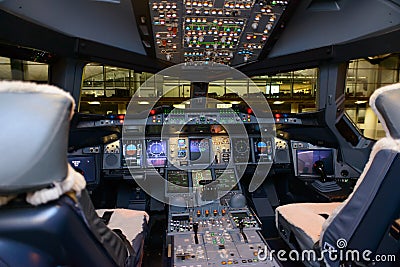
<point x="46" y="215"/>
<point x="369" y="219"/>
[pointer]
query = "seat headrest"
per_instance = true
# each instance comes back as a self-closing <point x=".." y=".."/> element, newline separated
<point x="33" y="136"/>
<point x="385" y="103"/>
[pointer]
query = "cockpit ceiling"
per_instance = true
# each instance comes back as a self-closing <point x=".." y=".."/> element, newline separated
<point x="230" y="32"/>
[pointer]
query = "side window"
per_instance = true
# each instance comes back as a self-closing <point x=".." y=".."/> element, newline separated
<point x="22" y="70"/>
<point x="364" y="76"/>
<point x="108" y="89"/>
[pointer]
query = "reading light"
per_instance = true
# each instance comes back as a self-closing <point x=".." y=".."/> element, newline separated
<point x="143" y="102"/>
<point x="179" y="106"/>
<point x="360" y="102"/>
<point x="93" y="103"/>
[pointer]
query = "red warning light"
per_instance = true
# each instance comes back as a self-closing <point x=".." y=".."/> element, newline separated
<point x="277" y="115"/>
<point x="152" y="112"/>
<point x="121" y="117"/>
<point x="249" y="111"/>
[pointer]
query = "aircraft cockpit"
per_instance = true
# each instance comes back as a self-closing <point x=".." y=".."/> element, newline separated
<point x="221" y="172"/>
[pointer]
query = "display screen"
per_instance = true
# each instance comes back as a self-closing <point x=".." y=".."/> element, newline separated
<point x="227" y="180"/>
<point x="263" y="150"/>
<point x="307" y="157"/>
<point x="199" y="151"/>
<point x="132" y="153"/>
<point x="85" y="165"/>
<point x="179" y="180"/>
<point x="156" y="153"/>
<point x="198" y="175"/>
<point x="241" y="150"/>
<point x="182" y="148"/>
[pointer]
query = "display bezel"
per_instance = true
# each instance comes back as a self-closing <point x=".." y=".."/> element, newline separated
<point x="95" y="169"/>
<point x="329" y="173"/>
<point x="165" y="160"/>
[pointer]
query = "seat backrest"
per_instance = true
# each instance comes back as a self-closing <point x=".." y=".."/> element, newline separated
<point x="35" y="123"/>
<point x="46" y="216"/>
<point x="363" y="221"/>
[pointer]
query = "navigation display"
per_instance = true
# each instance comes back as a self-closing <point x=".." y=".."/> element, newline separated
<point x="263" y="150"/>
<point x="199" y="151"/>
<point x="85" y="165"/>
<point x="179" y="180"/>
<point x="227" y="180"/>
<point x="307" y="157"/>
<point x="156" y="153"/>
<point x="132" y="154"/>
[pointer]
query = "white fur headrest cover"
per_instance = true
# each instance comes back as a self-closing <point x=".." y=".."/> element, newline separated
<point x="372" y="104"/>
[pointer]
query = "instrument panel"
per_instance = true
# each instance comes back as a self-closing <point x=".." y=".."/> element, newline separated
<point x="204" y="139"/>
<point x="184" y="152"/>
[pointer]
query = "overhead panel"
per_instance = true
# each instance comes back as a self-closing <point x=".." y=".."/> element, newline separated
<point x="224" y="31"/>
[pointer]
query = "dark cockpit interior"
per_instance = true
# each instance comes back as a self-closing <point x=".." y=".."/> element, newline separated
<point x="188" y="133"/>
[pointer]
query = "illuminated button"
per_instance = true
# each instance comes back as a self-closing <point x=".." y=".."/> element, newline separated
<point x="215" y="212"/>
<point x="207" y="212"/>
<point x="255" y="253"/>
<point x="223" y="262"/>
<point x="223" y="212"/>
<point x="230" y="262"/>
<point x="198" y="213"/>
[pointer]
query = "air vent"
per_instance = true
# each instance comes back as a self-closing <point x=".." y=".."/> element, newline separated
<point x="324" y="5"/>
<point x="146" y="43"/>
<point x="109" y="1"/>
